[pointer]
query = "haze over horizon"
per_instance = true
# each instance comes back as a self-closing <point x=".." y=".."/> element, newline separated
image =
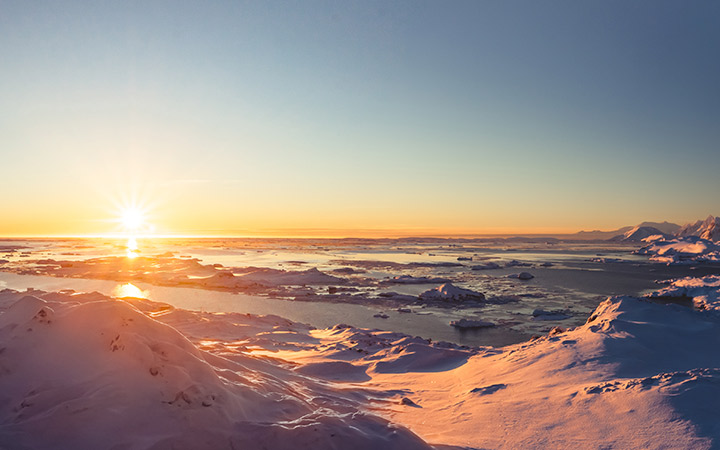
<point x="270" y="118"/>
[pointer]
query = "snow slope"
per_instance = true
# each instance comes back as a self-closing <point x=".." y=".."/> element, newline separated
<point x="639" y="233"/>
<point x="88" y="372"/>
<point x="638" y="375"/>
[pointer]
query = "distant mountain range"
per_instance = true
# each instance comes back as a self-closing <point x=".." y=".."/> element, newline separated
<point x="706" y="229"/>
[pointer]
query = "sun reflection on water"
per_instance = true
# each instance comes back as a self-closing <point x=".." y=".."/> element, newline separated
<point x="129" y="290"/>
<point x="132" y="247"/>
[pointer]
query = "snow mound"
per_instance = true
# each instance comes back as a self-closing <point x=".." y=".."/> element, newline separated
<point x="704" y="292"/>
<point x="682" y="250"/>
<point x="100" y="374"/>
<point x="450" y="293"/>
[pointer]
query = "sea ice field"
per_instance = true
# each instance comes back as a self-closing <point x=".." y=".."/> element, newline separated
<point x="358" y="279"/>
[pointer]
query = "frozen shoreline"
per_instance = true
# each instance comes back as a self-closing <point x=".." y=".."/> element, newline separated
<point x="628" y="368"/>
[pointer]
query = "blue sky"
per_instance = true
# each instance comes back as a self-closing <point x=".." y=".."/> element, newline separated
<point x="243" y="117"/>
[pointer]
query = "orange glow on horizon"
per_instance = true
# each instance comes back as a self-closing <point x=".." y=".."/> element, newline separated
<point x="340" y="233"/>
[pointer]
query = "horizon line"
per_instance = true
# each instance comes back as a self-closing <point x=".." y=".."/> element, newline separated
<point x="291" y="236"/>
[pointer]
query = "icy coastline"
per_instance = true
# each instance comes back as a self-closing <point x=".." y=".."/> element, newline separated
<point x="97" y="372"/>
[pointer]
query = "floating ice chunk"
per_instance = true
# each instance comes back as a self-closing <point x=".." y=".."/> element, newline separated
<point x="682" y="250"/>
<point x="704" y="292"/>
<point x="448" y="292"/>
<point x="396" y="297"/>
<point x="274" y="277"/>
<point x="605" y="260"/>
<point x="522" y="276"/>
<point x="408" y="279"/>
<point x="485" y="266"/>
<point x="541" y="314"/>
<point x="516" y="263"/>
<point x="470" y="323"/>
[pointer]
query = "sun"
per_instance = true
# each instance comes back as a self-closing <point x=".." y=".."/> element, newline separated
<point x="132" y="219"/>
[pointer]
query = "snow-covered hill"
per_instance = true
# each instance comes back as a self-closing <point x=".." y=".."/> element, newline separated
<point x="639" y="233"/>
<point x="91" y="372"/>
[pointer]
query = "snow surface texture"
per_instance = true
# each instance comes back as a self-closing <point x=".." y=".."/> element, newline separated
<point x="87" y="371"/>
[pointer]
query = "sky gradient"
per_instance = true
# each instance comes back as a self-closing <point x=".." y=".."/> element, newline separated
<point x="358" y="118"/>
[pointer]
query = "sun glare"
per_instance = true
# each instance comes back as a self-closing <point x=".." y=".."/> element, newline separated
<point x="132" y="219"/>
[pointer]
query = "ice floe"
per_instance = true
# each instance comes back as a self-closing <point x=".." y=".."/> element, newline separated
<point x="448" y="292"/>
<point x="683" y="250"/>
<point x="704" y="292"/>
<point x="522" y="276"/>
<point x="471" y="323"/>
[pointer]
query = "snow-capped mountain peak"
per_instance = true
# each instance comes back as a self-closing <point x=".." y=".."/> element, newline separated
<point x="706" y="229"/>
